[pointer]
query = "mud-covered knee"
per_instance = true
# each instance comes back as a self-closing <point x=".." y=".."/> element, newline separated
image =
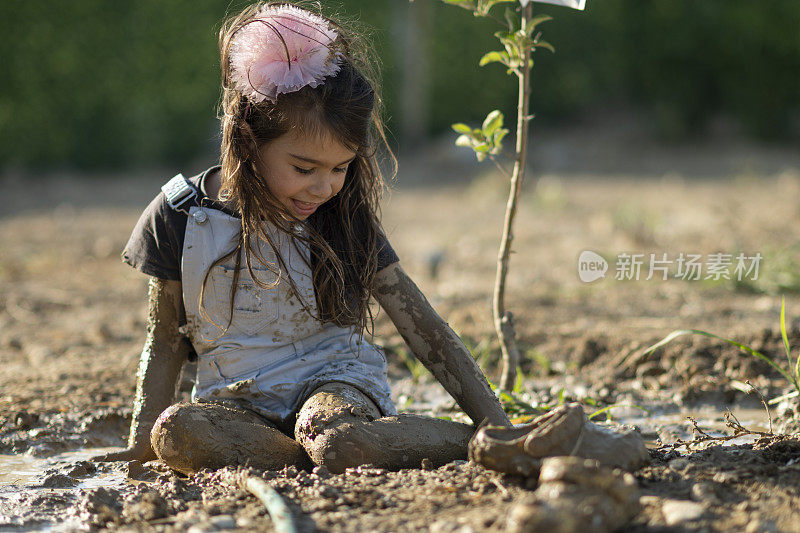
<point x="331" y="405"/>
<point x="168" y="431"/>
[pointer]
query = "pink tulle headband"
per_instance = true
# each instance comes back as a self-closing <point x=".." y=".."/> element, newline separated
<point x="281" y="50"/>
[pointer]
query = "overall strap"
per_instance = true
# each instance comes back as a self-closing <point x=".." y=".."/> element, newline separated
<point x="179" y="193"/>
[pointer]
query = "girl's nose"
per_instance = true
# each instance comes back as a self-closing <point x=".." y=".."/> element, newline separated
<point x="322" y="188"/>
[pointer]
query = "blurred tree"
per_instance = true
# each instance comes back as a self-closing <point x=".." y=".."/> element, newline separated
<point x="98" y="84"/>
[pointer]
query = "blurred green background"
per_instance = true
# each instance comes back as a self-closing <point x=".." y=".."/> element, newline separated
<point x="99" y="84"/>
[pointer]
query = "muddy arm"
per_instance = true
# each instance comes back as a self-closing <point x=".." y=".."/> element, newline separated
<point x="164" y="353"/>
<point x="436" y="345"/>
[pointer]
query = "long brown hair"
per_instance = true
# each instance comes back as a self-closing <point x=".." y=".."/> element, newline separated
<point x="342" y="234"/>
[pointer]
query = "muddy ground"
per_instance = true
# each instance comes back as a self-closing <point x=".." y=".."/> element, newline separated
<point x="72" y="325"/>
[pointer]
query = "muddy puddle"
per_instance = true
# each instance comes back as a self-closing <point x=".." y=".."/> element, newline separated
<point x="37" y="494"/>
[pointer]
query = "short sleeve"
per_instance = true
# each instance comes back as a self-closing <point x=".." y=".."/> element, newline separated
<point x="156" y="244"/>
<point x="386" y="254"/>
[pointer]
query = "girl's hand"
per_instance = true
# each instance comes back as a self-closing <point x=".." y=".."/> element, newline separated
<point x="142" y="453"/>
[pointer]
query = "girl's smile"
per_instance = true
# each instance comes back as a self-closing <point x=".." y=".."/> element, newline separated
<point x="304" y="172"/>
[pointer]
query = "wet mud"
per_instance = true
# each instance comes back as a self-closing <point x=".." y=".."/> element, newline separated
<point x="73" y="322"/>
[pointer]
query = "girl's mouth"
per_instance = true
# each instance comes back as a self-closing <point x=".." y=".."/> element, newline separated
<point x="304" y="208"/>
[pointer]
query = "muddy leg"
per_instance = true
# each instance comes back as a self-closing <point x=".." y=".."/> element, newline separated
<point x="340" y="427"/>
<point x="191" y="436"/>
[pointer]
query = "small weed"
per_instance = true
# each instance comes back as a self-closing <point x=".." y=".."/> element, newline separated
<point x="607" y="409"/>
<point x="543" y="364"/>
<point x="417" y="369"/>
<point x="482" y="351"/>
<point x="792" y="375"/>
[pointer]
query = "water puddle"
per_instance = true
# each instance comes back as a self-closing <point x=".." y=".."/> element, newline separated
<point x="38" y="494"/>
<point x="666" y="426"/>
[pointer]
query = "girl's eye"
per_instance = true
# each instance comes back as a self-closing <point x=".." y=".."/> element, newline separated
<point x="303" y="170"/>
<point x="340" y="170"/>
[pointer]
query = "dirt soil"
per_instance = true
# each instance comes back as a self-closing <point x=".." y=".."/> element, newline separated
<point x="72" y="325"/>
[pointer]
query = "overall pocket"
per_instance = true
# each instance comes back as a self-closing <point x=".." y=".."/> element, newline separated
<point x="254" y="307"/>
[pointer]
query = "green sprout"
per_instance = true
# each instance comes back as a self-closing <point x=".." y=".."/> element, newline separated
<point x="792" y="375"/>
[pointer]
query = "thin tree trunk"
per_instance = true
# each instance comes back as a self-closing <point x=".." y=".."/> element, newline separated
<point x="503" y="320"/>
<point x="412" y="28"/>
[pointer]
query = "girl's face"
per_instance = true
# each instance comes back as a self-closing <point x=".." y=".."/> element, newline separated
<point x="304" y="172"/>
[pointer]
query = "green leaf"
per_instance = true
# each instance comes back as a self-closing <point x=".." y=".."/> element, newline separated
<point x="484" y="6"/>
<point x="786" y="343"/>
<point x="609" y="407"/>
<point x="482" y="147"/>
<point x="535" y="21"/>
<point x="512" y="19"/>
<point x="493" y="57"/>
<point x="461" y="128"/>
<point x="544" y="44"/>
<point x="464" y="140"/>
<point x="493" y="121"/>
<point x="466" y="4"/>
<point x="498" y="136"/>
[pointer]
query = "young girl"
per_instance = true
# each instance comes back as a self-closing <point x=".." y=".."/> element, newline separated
<point x="264" y="268"/>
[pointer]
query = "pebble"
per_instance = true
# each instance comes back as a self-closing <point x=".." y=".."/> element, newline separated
<point x="223" y="521"/>
<point x="680" y="511"/>
<point x="321" y="472"/>
<point x="216" y="523"/>
<point x="326" y="491"/>
<point x="705" y="492"/>
<point x="680" y="465"/>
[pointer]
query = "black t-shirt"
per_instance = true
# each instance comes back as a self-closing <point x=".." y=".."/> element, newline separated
<point x="156" y="244"/>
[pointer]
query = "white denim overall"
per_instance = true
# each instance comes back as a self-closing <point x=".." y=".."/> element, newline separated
<point x="274" y="353"/>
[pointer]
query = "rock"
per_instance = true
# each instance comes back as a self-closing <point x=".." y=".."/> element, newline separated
<point x="679" y="511"/>
<point x="679" y="465"/>
<point x="426" y="464"/>
<point x="577" y="494"/>
<point x="328" y="492"/>
<point x="321" y="472"/>
<point x="24" y="420"/>
<point x="223" y="522"/>
<point x="705" y="492"/>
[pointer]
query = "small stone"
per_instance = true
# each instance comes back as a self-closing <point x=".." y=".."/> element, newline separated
<point x="680" y="465"/>
<point x="290" y="472"/>
<point x="679" y="511"/>
<point x="326" y="491"/>
<point x="25" y="420"/>
<point x="223" y="522"/>
<point x="705" y="491"/>
<point x="321" y="472"/>
<point x="426" y="464"/>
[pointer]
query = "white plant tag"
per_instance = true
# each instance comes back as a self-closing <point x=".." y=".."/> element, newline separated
<point x="574" y="4"/>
